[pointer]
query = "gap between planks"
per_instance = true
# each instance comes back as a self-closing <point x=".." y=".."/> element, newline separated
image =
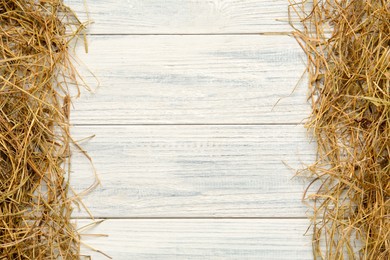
<point x="189" y="218"/>
<point x="194" y="124"/>
<point x="288" y="33"/>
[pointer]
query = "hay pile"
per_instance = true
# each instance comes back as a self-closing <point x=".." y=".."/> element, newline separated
<point x="35" y="76"/>
<point x="347" y="43"/>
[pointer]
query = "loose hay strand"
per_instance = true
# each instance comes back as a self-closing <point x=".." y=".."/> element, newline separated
<point x="347" y="43"/>
<point x="36" y="74"/>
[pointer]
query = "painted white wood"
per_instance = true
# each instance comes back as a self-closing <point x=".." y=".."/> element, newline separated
<point x="192" y="80"/>
<point x="193" y="171"/>
<point x="200" y="239"/>
<point x="201" y="170"/>
<point x="184" y="17"/>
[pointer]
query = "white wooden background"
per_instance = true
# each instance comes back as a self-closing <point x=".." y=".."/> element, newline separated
<point x="197" y="130"/>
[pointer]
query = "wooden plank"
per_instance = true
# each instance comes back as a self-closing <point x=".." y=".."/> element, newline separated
<point x="193" y="80"/>
<point x="201" y="239"/>
<point x="194" y="171"/>
<point x="184" y="17"/>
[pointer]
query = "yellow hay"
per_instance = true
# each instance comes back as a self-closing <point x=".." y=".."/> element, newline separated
<point x="347" y="43"/>
<point x="35" y="76"/>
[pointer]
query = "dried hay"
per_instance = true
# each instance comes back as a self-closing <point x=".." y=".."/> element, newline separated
<point x="36" y="78"/>
<point x="347" y="43"/>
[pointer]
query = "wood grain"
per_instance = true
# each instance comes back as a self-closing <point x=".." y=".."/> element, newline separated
<point x="184" y="17"/>
<point x="194" y="171"/>
<point x="193" y="80"/>
<point x="201" y="239"/>
<point x="168" y="69"/>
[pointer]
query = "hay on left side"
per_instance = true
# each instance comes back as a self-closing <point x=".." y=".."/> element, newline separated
<point x="35" y="76"/>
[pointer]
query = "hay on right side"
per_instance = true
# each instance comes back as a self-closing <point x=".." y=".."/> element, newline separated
<point x="347" y="43"/>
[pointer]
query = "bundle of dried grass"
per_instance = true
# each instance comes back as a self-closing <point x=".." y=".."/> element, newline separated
<point x="35" y="76"/>
<point x="347" y="43"/>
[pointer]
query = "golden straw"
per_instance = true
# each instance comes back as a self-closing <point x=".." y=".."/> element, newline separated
<point x="36" y="75"/>
<point x="347" y="43"/>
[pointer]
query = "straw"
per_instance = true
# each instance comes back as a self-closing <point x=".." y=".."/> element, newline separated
<point x="347" y="43"/>
<point x="36" y="79"/>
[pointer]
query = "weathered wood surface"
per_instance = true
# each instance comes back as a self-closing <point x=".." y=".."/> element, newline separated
<point x="220" y="79"/>
<point x="201" y="239"/>
<point x="184" y="17"/>
<point x="187" y="131"/>
<point x="194" y="171"/>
